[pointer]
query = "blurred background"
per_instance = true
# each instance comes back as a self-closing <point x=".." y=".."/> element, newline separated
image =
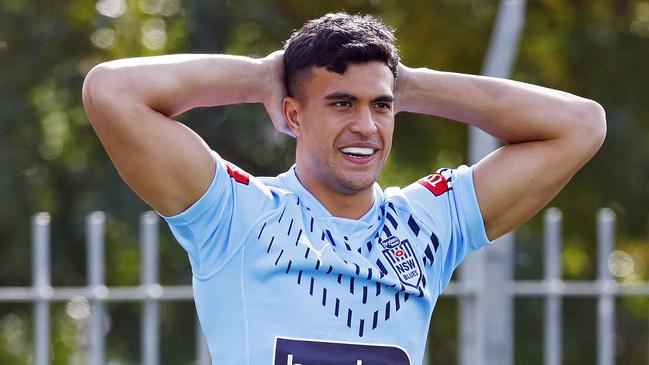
<point x="50" y="159"/>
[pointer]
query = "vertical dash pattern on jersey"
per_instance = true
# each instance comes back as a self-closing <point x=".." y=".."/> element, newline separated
<point x="360" y="291"/>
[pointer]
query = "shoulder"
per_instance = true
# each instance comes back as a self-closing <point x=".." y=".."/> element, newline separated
<point x="436" y="197"/>
<point x="426" y="189"/>
<point x="276" y="185"/>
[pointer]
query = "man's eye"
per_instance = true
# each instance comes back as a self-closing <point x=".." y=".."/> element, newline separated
<point x="385" y="106"/>
<point x="342" y="104"/>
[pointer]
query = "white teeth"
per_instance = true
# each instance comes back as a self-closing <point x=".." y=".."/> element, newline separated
<point x="358" y="151"/>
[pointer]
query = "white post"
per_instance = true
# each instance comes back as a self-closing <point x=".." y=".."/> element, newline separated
<point x="606" y="301"/>
<point x="95" y="222"/>
<point x="150" y="335"/>
<point x="41" y="282"/>
<point x="552" y="276"/>
<point x="486" y="334"/>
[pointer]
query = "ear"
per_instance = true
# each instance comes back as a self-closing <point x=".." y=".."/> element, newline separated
<point x="292" y="109"/>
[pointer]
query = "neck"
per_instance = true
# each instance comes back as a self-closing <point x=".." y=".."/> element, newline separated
<point x="339" y="204"/>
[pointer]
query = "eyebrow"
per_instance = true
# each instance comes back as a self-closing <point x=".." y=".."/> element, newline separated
<point x="384" y="98"/>
<point x="340" y="96"/>
<point x="347" y="96"/>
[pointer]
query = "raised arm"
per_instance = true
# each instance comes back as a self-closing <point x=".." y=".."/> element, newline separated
<point x="130" y="103"/>
<point x="548" y="136"/>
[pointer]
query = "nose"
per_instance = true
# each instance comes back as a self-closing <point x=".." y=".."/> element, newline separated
<point x="363" y="123"/>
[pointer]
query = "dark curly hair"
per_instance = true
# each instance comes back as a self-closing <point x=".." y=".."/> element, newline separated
<point x="334" y="41"/>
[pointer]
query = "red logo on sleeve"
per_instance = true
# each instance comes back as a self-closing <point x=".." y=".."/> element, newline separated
<point x="436" y="183"/>
<point x="236" y="173"/>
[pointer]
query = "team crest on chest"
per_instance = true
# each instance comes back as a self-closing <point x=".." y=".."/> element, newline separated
<point x="402" y="258"/>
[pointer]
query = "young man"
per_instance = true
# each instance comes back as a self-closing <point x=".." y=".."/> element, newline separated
<point x="319" y="265"/>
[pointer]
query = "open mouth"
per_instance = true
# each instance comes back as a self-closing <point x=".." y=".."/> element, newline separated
<point x="359" y="153"/>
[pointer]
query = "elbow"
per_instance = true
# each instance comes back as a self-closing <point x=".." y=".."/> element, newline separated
<point x="592" y="126"/>
<point x="91" y="92"/>
<point x="597" y="123"/>
<point x="100" y="87"/>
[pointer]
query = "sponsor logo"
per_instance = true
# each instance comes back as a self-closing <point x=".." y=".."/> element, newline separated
<point x="236" y="173"/>
<point x="402" y="258"/>
<point x="436" y="183"/>
<point x="311" y="352"/>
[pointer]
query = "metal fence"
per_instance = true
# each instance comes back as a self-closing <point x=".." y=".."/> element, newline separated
<point x="496" y="322"/>
<point x="150" y="293"/>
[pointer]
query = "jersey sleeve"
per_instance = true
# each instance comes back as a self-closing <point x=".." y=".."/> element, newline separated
<point x="447" y="202"/>
<point x="212" y="229"/>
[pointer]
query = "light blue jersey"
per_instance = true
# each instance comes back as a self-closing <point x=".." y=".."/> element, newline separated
<point x="279" y="280"/>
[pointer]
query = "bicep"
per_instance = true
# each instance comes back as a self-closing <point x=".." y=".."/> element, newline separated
<point x="516" y="181"/>
<point x="166" y="163"/>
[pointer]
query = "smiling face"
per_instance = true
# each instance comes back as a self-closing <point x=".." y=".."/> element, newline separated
<point x="343" y="124"/>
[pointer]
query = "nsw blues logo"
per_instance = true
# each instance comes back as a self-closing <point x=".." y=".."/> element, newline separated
<point x="403" y="260"/>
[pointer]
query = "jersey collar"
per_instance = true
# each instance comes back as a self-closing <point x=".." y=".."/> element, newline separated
<point x="364" y="224"/>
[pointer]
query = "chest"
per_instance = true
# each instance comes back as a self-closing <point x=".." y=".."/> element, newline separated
<point x="389" y="260"/>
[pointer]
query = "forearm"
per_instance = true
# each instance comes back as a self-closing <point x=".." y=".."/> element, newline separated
<point x="509" y="110"/>
<point x="172" y="84"/>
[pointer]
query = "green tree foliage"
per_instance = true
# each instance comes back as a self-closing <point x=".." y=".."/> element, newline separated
<point x="50" y="159"/>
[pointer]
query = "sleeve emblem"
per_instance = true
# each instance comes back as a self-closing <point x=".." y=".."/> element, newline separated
<point x="236" y="173"/>
<point x="437" y="183"/>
